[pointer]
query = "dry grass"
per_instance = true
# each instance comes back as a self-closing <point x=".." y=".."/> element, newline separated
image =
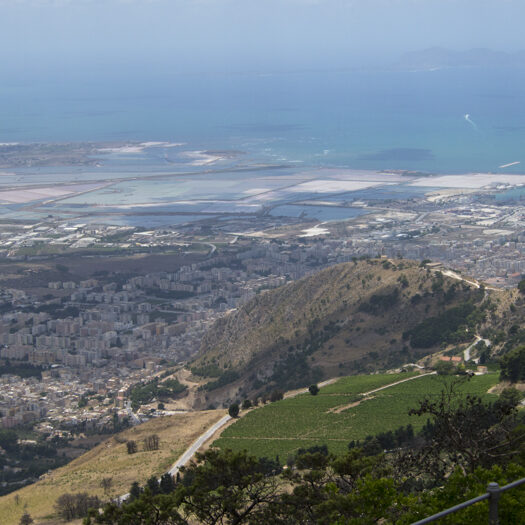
<point x="110" y="459"/>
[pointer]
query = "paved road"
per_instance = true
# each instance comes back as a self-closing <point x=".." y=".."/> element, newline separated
<point x="188" y="454"/>
<point x="466" y="352"/>
<point x="213" y="248"/>
<point x="198" y="444"/>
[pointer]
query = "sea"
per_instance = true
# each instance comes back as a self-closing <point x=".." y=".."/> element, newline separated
<point x="439" y="121"/>
<point x="281" y="126"/>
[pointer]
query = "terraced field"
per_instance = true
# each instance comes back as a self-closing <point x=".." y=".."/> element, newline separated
<point x="338" y="414"/>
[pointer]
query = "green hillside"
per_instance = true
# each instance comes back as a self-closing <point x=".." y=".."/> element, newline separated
<point x="339" y="414"/>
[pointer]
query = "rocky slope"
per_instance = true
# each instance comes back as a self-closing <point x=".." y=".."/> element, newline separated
<point x="354" y="317"/>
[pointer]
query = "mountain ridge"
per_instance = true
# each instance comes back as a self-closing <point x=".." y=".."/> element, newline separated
<point x="352" y="317"/>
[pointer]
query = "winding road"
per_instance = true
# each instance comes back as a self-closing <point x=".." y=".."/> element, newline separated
<point x="466" y="352"/>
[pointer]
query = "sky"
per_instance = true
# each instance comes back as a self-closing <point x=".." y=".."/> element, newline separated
<point x="244" y="35"/>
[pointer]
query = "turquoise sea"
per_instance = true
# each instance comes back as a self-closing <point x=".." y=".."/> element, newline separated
<point x="358" y="119"/>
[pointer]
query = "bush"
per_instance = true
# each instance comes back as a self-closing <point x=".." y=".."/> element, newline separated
<point x="313" y="389"/>
<point x="131" y="447"/>
<point x="233" y="410"/>
<point x="75" y="506"/>
<point x="445" y="368"/>
<point x="26" y="519"/>
<point x="276" y="395"/>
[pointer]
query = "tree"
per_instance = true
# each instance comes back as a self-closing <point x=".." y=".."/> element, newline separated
<point x="131" y="446"/>
<point x="509" y="397"/>
<point x="227" y="487"/>
<point x="160" y="406"/>
<point x="106" y="484"/>
<point x="167" y="485"/>
<point x="233" y="410"/>
<point x="313" y="389"/>
<point x="465" y="432"/>
<point x="512" y="365"/>
<point x="444" y="368"/>
<point x="26" y="519"/>
<point x="151" y="442"/>
<point x="73" y="506"/>
<point x="8" y="440"/>
<point x="135" y="491"/>
<point x="153" y="485"/>
<point x="246" y="404"/>
<point x="521" y="286"/>
<point x="276" y="395"/>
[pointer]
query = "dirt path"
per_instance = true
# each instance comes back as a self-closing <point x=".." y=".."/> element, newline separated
<point x="294" y="393"/>
<point x="366" y="395"/>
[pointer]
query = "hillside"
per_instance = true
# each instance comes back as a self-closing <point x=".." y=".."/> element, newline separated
<point x="351" y="318"/>
<point x="351" y="409"/>
<point x="109" y="459"/>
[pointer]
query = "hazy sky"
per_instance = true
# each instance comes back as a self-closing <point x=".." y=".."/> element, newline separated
<point x="236" y="35"/>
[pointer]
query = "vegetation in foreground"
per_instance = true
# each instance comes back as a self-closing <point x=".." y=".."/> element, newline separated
<point x="467" y="443"/>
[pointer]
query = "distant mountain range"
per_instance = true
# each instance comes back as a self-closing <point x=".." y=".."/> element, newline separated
<point x="440" y="58"/>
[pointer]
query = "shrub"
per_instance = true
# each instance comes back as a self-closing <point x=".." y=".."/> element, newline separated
<point x="233" y="410"/>
<point x="74" y="506"/>
<point x="313" y="389"/>
<point x="276" y="395"/>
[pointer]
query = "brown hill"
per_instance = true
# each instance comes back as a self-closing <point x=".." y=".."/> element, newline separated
<point x="353" y="317"/>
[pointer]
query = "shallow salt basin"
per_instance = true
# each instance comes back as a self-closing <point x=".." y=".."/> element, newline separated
<point x="333" y="186"/>
<point x="314" y="232"/>
<point x="22" y="196"/>
<point x="470" y="181"/>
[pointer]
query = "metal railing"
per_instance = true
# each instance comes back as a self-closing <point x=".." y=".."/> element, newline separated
<point x="493" y="494"/>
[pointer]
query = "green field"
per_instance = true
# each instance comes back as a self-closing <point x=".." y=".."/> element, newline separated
<point x="283" y="427"/>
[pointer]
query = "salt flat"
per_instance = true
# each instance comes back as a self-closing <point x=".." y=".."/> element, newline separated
<point x="22" y="196"/>
<point x="333" y="186"/>
<point x="470" y="180"/>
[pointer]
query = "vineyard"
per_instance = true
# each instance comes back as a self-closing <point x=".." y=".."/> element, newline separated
<point x="339" y="414"/>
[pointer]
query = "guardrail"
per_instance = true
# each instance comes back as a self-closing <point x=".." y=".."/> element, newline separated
<point x="493" y="494"/>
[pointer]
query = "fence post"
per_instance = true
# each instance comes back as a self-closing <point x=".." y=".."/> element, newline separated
<point x="495" y="492"/>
